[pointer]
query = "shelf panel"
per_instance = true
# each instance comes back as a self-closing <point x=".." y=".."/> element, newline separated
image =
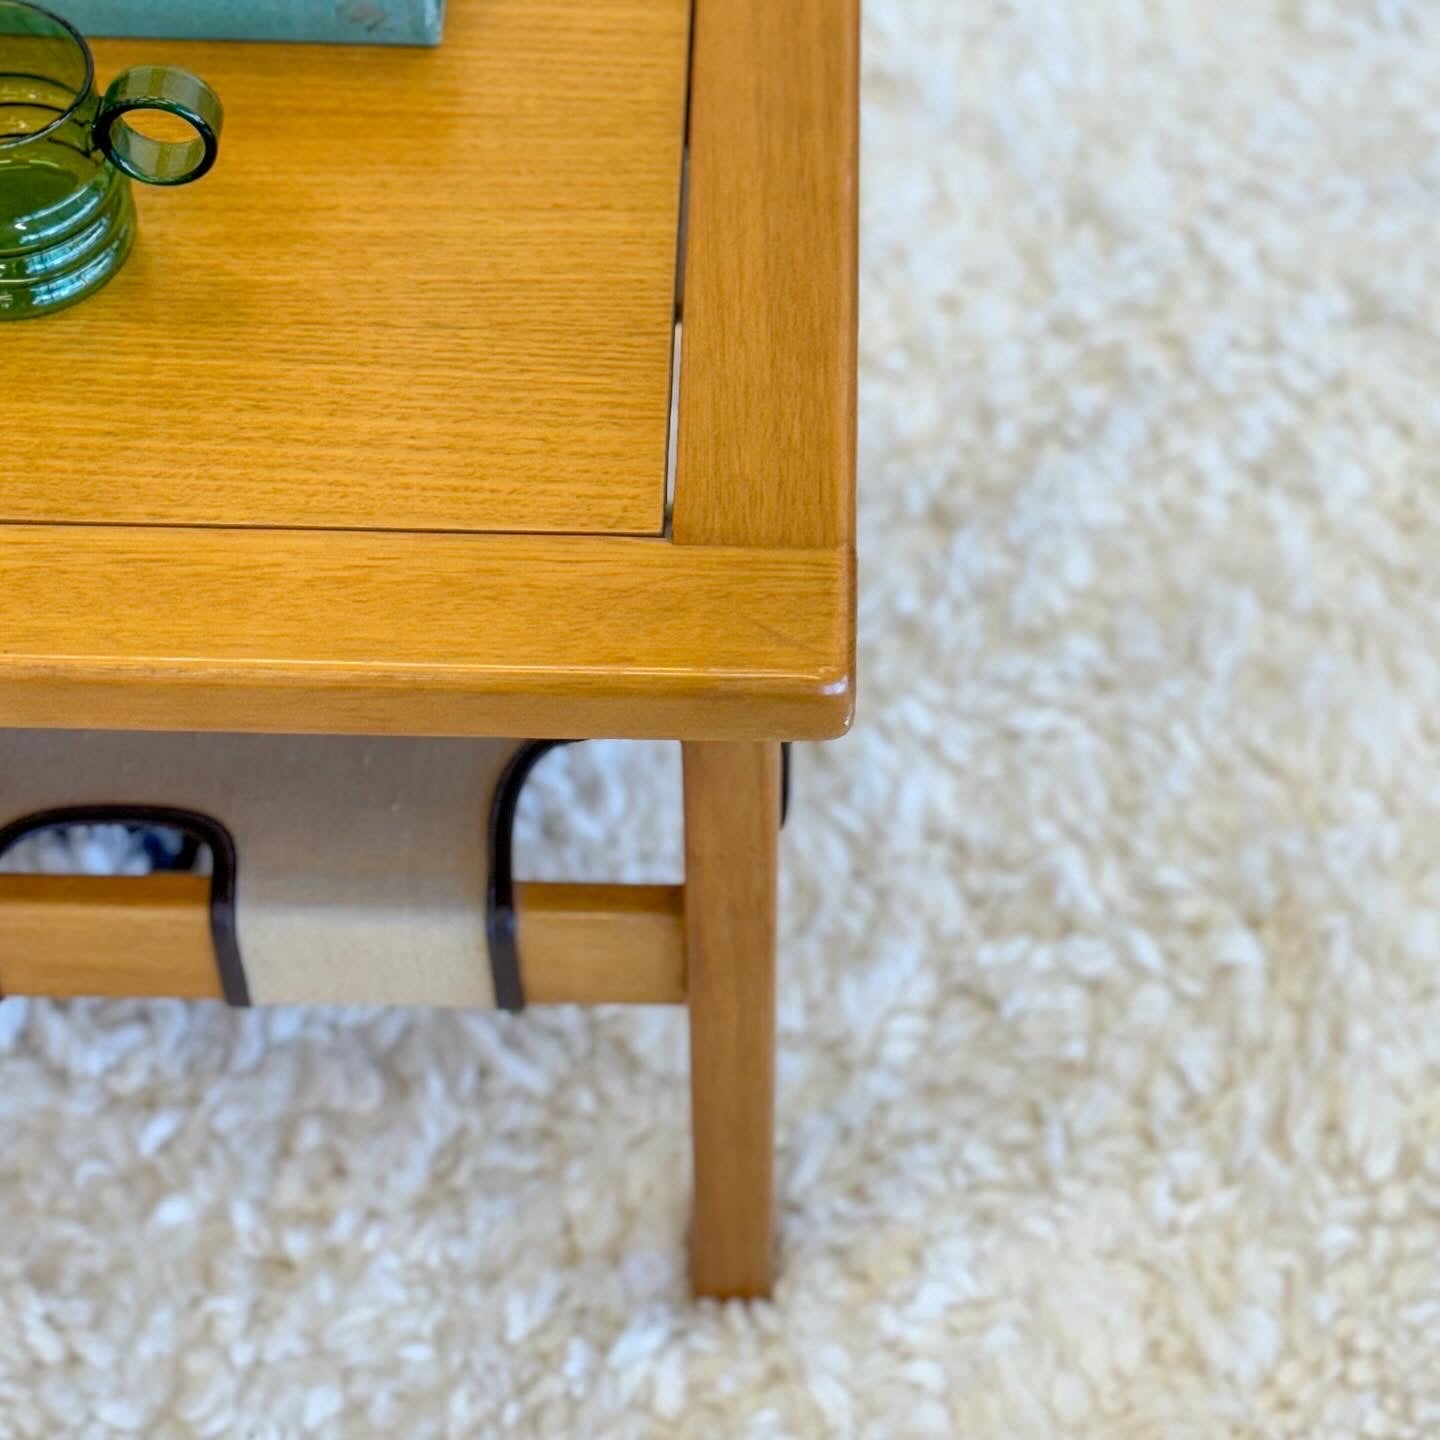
<point x="421" y="290"/>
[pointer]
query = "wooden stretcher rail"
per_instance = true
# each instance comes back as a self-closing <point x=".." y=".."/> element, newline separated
<point x="86" y="935"/>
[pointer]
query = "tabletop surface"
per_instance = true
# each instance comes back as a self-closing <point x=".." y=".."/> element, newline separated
<point x="421" y="289"/>
<point x="370" y="435"/>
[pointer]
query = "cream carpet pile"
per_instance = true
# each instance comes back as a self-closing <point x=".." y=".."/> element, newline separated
<point x="1110" y="1051"/>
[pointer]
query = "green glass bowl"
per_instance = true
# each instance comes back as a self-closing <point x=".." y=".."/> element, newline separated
<point x="68" y="154"/>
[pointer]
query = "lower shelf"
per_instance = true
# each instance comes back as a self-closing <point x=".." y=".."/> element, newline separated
<point x="85" y="935"/>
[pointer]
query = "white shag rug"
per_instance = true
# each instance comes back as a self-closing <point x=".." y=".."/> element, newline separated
<point x="1110" y="1048"/>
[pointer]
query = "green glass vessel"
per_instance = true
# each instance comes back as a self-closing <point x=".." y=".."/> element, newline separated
<point x="68" y="154"/>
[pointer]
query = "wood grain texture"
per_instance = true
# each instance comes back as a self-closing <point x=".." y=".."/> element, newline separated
<point x="767" y="387"/>
<point x="368" y="632"/>
<point x="421" y="289"/>
<point x="73" y="935"/>
<point x="732" y="826"/>
<point x="601" y="944"/>
<point x="76" y="935"/>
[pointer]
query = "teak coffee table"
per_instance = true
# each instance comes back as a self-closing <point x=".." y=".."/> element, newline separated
<point x="362" y="462"/>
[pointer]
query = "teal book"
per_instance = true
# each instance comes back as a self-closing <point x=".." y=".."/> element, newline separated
<point x="334" y="22"/>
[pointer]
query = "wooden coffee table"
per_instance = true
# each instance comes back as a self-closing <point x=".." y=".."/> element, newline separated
<point x="370" y="438"/>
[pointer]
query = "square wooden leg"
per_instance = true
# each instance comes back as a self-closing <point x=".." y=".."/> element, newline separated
<point x="732" y="822"/>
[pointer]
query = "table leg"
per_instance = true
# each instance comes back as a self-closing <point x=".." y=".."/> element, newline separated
<point x="732" y="819"/>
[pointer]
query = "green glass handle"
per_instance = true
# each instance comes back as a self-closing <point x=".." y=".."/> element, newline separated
<point x="177" y="92"/>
